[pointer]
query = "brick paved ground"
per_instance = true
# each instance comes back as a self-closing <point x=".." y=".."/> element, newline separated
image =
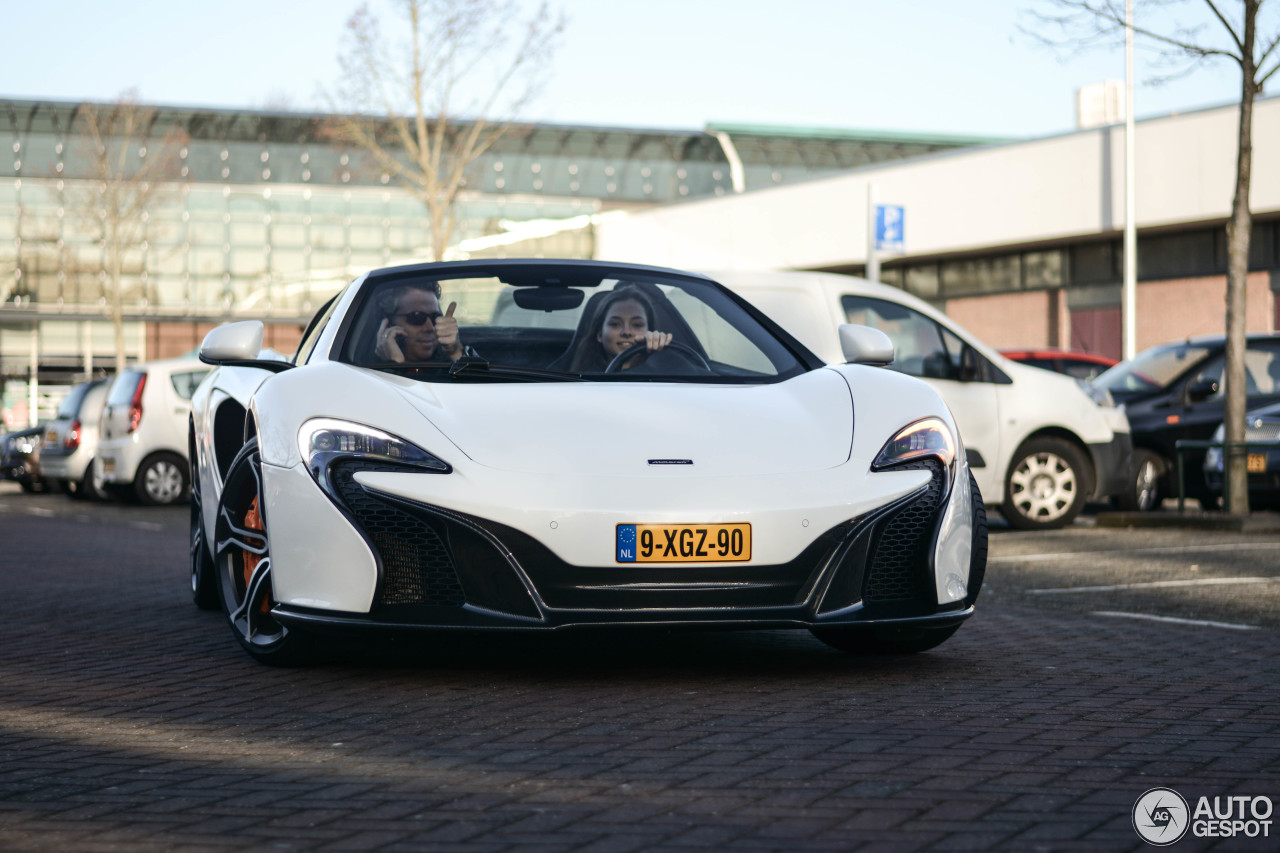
<point x="129" y="721"/>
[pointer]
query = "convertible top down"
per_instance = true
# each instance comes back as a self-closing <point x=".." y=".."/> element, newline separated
<point x="531" y="444"/>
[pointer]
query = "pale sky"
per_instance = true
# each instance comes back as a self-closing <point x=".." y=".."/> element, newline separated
<point x="942" y="66"/>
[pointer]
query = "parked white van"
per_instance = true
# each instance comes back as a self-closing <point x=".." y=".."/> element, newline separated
<point x="1040" y="444"/>
<point x="142" y="437"/>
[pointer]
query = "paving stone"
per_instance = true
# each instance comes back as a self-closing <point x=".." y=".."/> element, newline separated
<point x="129" y="721"/>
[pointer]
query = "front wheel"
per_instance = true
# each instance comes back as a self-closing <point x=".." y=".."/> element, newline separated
<point x="242" y="564"/>
<point x="1046" y="485"/>
<point x="204" y="580"/>
<point x="161" y="479"/>
<point x="1143" y="492"/>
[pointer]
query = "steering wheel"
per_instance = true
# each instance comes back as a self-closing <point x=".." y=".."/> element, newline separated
<point x="642" y="350"/>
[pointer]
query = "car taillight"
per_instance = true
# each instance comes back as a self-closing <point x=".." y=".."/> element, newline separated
<point x="72" y="440"/>
<point x="135" y="405"/>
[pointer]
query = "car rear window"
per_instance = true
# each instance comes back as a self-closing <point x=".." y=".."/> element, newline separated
<point x="185" y="383"/>
<point x="71" y="403"/>
<point x="124" y="386"/>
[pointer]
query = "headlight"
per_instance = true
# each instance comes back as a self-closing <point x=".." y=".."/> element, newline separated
<point x="324" y="440"/>
<point x="929" y="437"/>
<point x="1101" y="396"/>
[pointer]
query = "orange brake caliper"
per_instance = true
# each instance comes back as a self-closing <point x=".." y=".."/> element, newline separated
<point x="253" y="521"/>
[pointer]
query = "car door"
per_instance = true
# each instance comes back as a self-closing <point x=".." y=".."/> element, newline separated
<point x="1199" y="405"/>
<point x="930" y="351"/>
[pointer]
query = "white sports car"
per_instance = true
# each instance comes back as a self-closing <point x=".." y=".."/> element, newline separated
<point x="527" y="444"/>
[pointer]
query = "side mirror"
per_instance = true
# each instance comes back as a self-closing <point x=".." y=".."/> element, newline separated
<point x="865" y="345"/>
<point x="1202" y="390"/>
<point x="232" y="342"/>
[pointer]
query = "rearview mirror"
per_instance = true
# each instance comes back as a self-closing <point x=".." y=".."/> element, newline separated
<point x="865" y="345"/>
<point x="547" y="298"/>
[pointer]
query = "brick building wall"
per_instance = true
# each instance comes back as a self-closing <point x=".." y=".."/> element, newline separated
<point x="1009" y="320"/>
<point x="1180" y="308"/>
<point x="1167" y="311"/>
<point x="170" y="339"/>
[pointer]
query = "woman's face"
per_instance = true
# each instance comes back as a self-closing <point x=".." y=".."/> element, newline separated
<point x="624" y="325"/>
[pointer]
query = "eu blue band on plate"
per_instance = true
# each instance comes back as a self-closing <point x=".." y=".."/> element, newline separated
<point x="626" y="543"/>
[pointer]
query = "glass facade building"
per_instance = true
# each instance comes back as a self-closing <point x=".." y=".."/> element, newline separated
<point x="265" y="218"/>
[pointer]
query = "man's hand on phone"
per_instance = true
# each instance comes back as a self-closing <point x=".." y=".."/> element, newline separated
<point x="391" y="341"/>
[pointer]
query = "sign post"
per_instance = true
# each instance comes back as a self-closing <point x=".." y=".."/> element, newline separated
<point x="885" y="230"/>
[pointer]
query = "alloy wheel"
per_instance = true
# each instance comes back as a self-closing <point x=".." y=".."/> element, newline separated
<point x="1044" y="486"/>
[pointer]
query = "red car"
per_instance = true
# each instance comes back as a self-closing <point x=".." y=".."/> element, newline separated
<point x="1081" y="365"/>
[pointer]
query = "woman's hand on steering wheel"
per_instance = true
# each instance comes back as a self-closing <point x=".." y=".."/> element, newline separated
<point x="640" y="351"/>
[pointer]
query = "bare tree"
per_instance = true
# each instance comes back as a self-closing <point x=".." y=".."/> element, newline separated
<point x="131" y="166"/>
<point x="1230" y="33"/>
<point x="427" y="105"/>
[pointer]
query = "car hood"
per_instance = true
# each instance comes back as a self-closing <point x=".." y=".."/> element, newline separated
<point x="640" y="428"/>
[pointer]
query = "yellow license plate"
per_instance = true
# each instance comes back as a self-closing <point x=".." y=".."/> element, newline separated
<point x="1256" y="463"/>
<point x="51" y="436"/>
<point x="108" y="466"/>
<point x="684" y="543"/>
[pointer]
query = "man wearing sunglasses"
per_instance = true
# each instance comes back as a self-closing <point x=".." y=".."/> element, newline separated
<point x="414" y="330"/>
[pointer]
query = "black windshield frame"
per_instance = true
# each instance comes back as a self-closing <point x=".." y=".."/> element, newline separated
<point x="570" y="273"/>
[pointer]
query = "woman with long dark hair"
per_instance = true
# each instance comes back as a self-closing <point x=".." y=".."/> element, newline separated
<point x="625" y="318"/>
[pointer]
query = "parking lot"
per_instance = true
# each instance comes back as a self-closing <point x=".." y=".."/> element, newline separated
<point x="1102" y="662"/>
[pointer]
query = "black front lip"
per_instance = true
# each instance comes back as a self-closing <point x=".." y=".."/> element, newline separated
<point x="555" y="620"/>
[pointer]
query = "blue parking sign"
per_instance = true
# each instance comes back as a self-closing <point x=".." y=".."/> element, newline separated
<point x="889" y="230"/>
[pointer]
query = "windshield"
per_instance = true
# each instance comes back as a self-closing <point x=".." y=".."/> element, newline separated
<point x="549" y="323"/>
<point x="1152" y="369"/>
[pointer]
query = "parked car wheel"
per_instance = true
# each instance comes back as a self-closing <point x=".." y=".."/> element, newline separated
<point x="204" y="580"/>
<point x="161" y="479"/>
<point x="87" y="488"/>
<point x="1046" y="485"/>
<point x="242" y="566"/>
<point x="1144" y="493"/>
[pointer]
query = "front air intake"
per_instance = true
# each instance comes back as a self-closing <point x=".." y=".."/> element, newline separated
<point x="416" y="566"/>
<point x="899" y="565"/>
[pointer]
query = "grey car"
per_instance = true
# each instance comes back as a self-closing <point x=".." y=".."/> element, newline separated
<point x="71" y="441"/>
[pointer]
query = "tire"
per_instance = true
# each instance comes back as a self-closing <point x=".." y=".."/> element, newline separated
<point x="90" y="486"/>
<point x="884" y="639"/>
<point x="978" y="552"/>
<point x="1144" y="491"/>
<point x="204" y="580"/>
<point x="1046" y="485"/>
<point x="161" y="480"/>
<point x="242" y="566"/>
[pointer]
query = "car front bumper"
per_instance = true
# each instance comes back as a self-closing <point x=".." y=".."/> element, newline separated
<point x="1113" y="462"/>
<point x="440" y="568"/>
